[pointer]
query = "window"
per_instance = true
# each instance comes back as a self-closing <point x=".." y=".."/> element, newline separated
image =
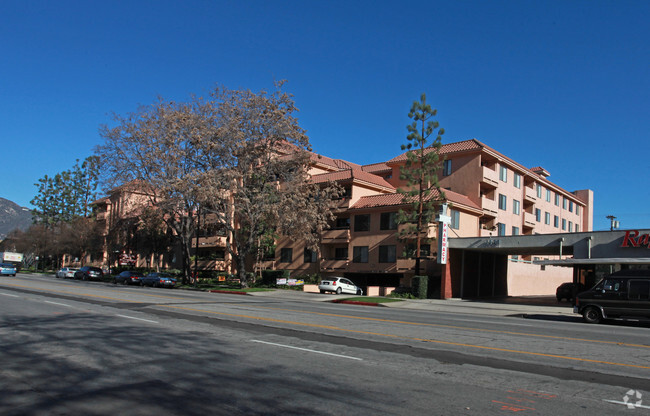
<point x="360" y="254"/>
<point x="563" y="224"/>
<point x="639" y="290"/>
<point x="446" y="168"/>
<point x="343" y="223"/>
<point x="286" y="255"/>
<point x="538" y="214"/>
<point x="548" y="195"/>
<point x="557" y="199"/>
<point x="577" y="228"/>
<point x="556" y="221"/>
<point x="503" y="173"/>
<point x="564" y="201"/>
<point x="503" y="202"/>
<point x="515" y="230"/>
<point x="309" y="256"/>
<point x="341" y="253"/>
<point x="539" y="191"/>
<point x="578" y="210"/>
<point x="570" y="226"/>
<point x="547" y="218"/>
<point x="517" y="180"/>
<point x="570" y="206"/>
<point x="387" y="254"/>
<point x="501" y="229"/>
<point x="516" y="207"/>
<point x="388" y="221"/>
<point x="455" y="219"/>
<point x="362" y="222"/>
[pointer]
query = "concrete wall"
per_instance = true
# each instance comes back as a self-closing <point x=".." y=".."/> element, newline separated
<point x="525" y="279"/>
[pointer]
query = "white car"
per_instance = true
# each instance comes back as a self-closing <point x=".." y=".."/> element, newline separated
<point x="339" y="285"/>
<point x="66" y="273"/>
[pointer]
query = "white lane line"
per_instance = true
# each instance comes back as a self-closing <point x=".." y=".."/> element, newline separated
<point x="630" y="405"/>
<point x="56" y="303"/>
<point x="11" y="296"/>
<point x="138" y="319"/>
<point x="308" y="350"/>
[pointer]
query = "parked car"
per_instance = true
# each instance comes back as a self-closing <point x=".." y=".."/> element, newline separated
<point x="339" y="285"/>
<point x="568" y="290"/>
<point x="89" y="273"/>
<point x="128" y="278"/>
<point x="621" y="295"/>
<point x="158" y="280"/>
<point x="7" y="269"/>
<point x="66" y="273"/>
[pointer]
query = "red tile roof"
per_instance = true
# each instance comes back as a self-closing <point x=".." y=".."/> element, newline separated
<point x="350" y="175"/>
<point x="447" y="149"/>
<point x="396" y="199"/>
<point x="377" y="167"/>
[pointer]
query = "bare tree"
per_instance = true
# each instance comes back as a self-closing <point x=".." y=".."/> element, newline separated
<point x="236" y="154"/>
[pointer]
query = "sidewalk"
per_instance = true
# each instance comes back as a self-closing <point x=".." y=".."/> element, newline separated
<point x="511" y="306"/>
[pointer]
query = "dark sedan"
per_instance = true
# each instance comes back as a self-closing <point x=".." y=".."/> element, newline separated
<point x="89" y="273"/>
<point x="128" y="278"/>
<point x="158" y="280"/>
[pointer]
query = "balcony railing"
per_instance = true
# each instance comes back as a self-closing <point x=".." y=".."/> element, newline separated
<point x="530" y="195"/>
<point x="490" y="207"/>
<point x="490" y="177"/>
<point x="334" y="264"/>
<point x="529" y="220"/>
<point x="340" y="235"/>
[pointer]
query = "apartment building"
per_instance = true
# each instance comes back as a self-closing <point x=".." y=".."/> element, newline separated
<point x="488" y="194"/>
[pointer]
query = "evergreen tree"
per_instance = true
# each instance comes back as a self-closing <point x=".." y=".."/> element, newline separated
<point x="420" y="172"/>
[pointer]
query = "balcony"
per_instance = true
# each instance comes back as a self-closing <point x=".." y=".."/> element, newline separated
<point x="406" y="264"/>
<point x="490" y="177"/>
<point x="102" y="215"/>
<point x="404" y="231"/>
<point x="530" y="195"/>
<point x="212" y="241"/>
<point x="490" y="207"/>
<point x="529" y="220"/>
<point x="337" y="235"/>
<point x="334" y="264"/>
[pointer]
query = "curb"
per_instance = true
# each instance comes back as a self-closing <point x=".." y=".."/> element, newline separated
<point x="356" y="302"/>
<point x="229" y="292"/>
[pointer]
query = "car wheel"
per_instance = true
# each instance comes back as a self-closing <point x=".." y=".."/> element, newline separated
<point x="322" y="291"/>
<point x="124" y="282"/>
<point x="359" y="292"/>
<point x="114" y="281"/>
<point x="592" y="315"/>
<point x="338" y="291"/>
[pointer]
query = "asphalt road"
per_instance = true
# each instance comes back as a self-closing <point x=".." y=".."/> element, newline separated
<point x="71" y="347"/>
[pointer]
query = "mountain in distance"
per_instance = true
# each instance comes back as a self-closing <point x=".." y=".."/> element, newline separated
<point x="13" y="216"/>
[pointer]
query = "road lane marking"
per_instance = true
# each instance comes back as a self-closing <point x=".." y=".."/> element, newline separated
<point x="57" y="303"/>
<point x="138" y="319"/>
<point x="628" y="404"/>
<point x="11" y="296"/>
<point x="308" y="350"/>
<point x="493" y="331"/>
<point x="433" y="341"/>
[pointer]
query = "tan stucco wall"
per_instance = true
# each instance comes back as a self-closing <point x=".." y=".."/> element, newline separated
<point x="526" y="279"/>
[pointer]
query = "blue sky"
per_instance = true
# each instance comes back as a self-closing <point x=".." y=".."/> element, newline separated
<point x="558" y="84"/>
